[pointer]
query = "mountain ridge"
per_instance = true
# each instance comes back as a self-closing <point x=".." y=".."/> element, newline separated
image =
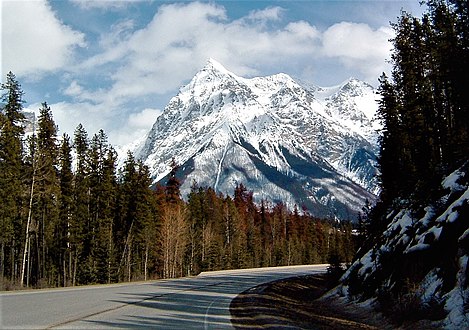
<point x="282" y="140"/>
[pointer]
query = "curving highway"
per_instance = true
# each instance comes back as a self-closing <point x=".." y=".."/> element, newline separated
<point x="200" y="302"/>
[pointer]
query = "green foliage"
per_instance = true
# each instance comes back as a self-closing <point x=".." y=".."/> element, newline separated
<point x="11" y="166"/>
<point x="173" y="194"/>
<point x="424" y="107"/>
<point x="47" y="189"/>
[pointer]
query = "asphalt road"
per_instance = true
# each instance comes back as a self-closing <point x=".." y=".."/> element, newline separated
<point x="200" y="302"/>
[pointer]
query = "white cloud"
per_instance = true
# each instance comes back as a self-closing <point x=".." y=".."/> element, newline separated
<point x="34" y="39"/>
<point x="143" y="119"/>
<point x="121" y="128"/>
<point x="267" y="14"/>
<point x="163" y="55"/>
<point x="103" y="4"/>
<point x="359" y="46"/>
<point x="159" y="58"/>
<point x="74" y="89"/>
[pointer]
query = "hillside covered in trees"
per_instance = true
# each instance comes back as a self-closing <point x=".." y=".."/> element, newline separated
<point x="69" y="216"/>
<point x="414" y="264"/>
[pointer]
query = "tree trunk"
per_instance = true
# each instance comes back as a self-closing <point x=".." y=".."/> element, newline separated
<point x="126" y="247"/>
<point x="28" y="224"/>
<point x="75" y="268"/>
<point x="12" y="267"/>
<point x="109" y="255"/>
<point x="146" y="260"/>
<point x="2" y="260"/>
<point x="28" y="268"/>
<point x="65" y="268"/>
<point x="128" y="265"/>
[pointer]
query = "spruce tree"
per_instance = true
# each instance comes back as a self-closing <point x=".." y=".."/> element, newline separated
<point x="47" y="194"/>
<point x="136" y="224"/>
<point x="11" y="152"/>
<point x="81" y="202"/>
<point x="424" y="108"/>
<point x="173" y="184"/>
<point x="126" y="212"/>
<point x="63" y="231"/>
<point x="98" y="235"/>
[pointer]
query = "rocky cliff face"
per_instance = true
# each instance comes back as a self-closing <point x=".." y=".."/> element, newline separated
<point x="302" y="145"/>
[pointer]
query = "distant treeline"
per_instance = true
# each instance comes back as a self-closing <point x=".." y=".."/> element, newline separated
<point x="69" y="216"/>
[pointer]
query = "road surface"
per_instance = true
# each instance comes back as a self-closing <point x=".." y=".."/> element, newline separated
<point x="200" y="302"/>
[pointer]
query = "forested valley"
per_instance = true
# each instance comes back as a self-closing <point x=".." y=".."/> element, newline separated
<point x="69" y="216"/>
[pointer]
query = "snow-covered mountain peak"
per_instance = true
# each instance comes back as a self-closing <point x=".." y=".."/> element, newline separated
<point x="212" y="72"/>
<point x="312" y="146"/>
<point x="214" y="65"/>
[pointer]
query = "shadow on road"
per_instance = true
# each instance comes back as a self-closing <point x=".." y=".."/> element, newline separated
<point x="184" y="303"/>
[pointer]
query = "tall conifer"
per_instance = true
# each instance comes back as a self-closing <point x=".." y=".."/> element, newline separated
<point x="80" y="217"/>
<point x="11" y="150"/>
<point x="47" y="189"/>
<point x="66" y="209"/>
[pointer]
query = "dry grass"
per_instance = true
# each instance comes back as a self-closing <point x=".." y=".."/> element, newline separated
<point x="294" y="304"/>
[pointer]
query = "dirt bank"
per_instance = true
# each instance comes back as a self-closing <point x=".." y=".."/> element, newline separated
<point x="293" y="304"/>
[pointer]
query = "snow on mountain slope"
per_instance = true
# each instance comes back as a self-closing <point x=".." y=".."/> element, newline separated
<point x="310" y="146"/>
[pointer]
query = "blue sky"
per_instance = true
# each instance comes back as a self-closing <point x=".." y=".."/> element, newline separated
<point x="115" y="64"/>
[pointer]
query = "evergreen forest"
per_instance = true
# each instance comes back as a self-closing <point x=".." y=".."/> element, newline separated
<point x="413" y="262"/>
<point x="424" y="109"/>
<point x="69" y="216"/>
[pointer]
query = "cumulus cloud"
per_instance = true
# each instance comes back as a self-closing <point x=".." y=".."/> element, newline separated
<point x="34" y="39"/>
<point x="359" y="46"/>
<point x="163" y="55"/>
<point x="74" y="89"/>
<point x="264" y="15"/>
<point x="134" y="65"/>
<point x="121" y="128"/>
<point x="134" y="126"/>
<point x="143" y="119"/>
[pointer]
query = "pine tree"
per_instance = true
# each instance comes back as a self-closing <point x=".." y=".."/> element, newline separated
<point x="136" y="223"/>
<point x="231" y="231"/>
<point x="148" y="224"/>
<point x="81" y="202"/>
<point x="173" y="194"/>
<point x="197" y="221"/>
<point x="66" y="209"/>
<point x="108" y="209"/>
<point x="30" y="166"/>
<point x="47" y="188"/>
<point x="424" y="108"/>
<point x="94" y="259"/>
<point x="11" y="152"/>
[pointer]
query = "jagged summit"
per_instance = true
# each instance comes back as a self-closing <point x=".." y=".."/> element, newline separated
<point x="313" y="147"/>
<point x="214" y="65"/>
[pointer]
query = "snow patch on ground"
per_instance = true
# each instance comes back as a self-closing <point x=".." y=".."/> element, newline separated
<point x="408" y="235"/>
<point x="457" y="300"/>
<point x="450" y="182"/>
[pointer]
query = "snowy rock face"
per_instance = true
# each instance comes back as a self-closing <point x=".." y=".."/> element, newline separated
<point x="285" y="141"/>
